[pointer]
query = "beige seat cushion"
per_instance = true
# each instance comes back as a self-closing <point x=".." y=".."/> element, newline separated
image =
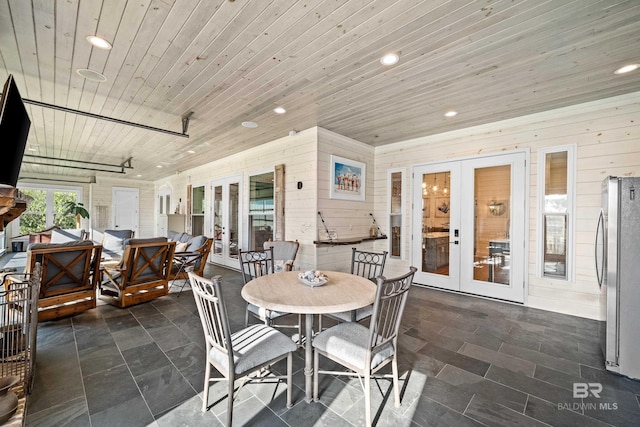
<point x="252" y="347"/>
<point x="349" y="341"/>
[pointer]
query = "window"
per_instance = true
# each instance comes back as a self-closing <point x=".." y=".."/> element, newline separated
<point x="46" y="209"/>
<point x="395" y="213"/>
<point x="35" y="217"/>
<point x="164" y="202"/>
<point x="261" y="209"/>
<point x="197" y="211"/>
<point x="556" y="207"/>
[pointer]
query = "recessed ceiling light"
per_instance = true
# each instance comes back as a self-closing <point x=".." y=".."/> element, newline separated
<point x="99" y="42"/>
<point x="451" y="113"/>
<point x="91" y="75"/>
<point x="191" y="152"/>
<point x="250" y="125"/>
<point x="159" y="166"/>
<point x="389" y="59"/>
<point x="138" y="176"/>
<point x="627" y="69"/>
<point x="280" y="110"/>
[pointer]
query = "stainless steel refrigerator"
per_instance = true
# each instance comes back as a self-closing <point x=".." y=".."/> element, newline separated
<point x="618" y="269"/>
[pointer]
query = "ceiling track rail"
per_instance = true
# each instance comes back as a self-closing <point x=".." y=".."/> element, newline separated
<point x="74" y="181"/>
<point x="185" y="119"/>
<point x="122" y="166"/>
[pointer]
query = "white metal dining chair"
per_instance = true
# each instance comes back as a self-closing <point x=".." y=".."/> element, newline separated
<point x="364" y="264"/>
<point x="365" y="350"/>
<point x="239" y="354"/>
<point x="258" y="263"/>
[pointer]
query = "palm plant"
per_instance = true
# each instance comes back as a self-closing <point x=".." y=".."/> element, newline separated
<point x="75" y="208"/>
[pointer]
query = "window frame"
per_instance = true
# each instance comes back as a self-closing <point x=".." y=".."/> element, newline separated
<point x="192" y="214"/>
<point x="250" y="214"/>
<point x="570" y="214"/>
<point x="401" y="214"/>
<point x="49" y="206"/>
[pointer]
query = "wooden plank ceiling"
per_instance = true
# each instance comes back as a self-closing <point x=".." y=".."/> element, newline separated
<point x="234" y="61"/>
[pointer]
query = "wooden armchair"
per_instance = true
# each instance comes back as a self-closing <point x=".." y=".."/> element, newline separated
<point x="70" y="275"/>
<point x="141" y="275"/>
<point x="192" y="258"/>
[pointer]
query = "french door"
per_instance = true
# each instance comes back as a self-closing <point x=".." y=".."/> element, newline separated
<point x="226" y="196"/>
<point x="468" y="225"/>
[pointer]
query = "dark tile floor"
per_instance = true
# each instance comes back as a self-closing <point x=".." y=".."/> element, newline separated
<point x="466" y="361"/>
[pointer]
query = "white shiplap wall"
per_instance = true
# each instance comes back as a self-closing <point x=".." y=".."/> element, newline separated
<point x="348" y="218"/>
<point x="607" y="136"/>
<point x="306" y="157"/>
<point x="299" y="155"/>
<point x="102" y="207"/>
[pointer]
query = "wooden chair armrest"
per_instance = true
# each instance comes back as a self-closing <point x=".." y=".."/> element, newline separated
<point x="186" y="254"/>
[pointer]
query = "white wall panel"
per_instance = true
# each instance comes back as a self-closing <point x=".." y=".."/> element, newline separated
<point x="298" y="153"/>
<point x="101" y="203"/>
<point x="607" y="136"/>
<point x="348" y="218"/>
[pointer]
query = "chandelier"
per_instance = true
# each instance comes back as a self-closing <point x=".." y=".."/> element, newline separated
<point x="438" y="187"/>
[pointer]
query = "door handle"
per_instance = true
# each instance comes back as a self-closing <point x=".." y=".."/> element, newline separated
<point x="455" y="242"/>
<point x="600" y="257"/>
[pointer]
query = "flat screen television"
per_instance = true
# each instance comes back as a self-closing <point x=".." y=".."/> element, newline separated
<point x="14" y="130"/>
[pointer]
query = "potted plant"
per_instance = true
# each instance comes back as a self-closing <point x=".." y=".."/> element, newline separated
<point x="76" y="209"/>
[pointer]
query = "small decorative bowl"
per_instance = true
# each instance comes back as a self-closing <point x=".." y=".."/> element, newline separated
<point x="313" y="283"/>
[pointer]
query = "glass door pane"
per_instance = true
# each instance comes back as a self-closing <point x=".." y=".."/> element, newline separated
<point x="218" y="227"/>
<point x="492" y="192"/>
<point x="436" y="207"/>
<point x="226" y="221"/>
<point x="435" y="244"/>
<point x="234" y="219"/>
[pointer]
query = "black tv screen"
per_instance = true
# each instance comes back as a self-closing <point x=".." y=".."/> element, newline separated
<point x="14" y="130"/>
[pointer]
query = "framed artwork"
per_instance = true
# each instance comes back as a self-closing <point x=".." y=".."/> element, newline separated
<point x="347" y="179"/>
<point x="442" y="207"/>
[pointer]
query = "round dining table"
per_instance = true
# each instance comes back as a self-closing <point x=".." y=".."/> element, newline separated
<point x="285" y="292"/>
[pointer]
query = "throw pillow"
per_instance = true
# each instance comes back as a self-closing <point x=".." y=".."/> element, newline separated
<point x="278" y="265"/>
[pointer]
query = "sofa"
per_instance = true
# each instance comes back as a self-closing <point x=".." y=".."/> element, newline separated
<point x="71" y="235"/>
<point x="113" y="242"/>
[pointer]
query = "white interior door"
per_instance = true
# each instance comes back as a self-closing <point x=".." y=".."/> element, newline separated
<point x="125" y="203"/>
<point x="226" y="214"/>
<point x="470" y="216"/>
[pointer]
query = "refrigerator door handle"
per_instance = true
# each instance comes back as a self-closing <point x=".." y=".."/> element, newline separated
<point x="600" y="257"/>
